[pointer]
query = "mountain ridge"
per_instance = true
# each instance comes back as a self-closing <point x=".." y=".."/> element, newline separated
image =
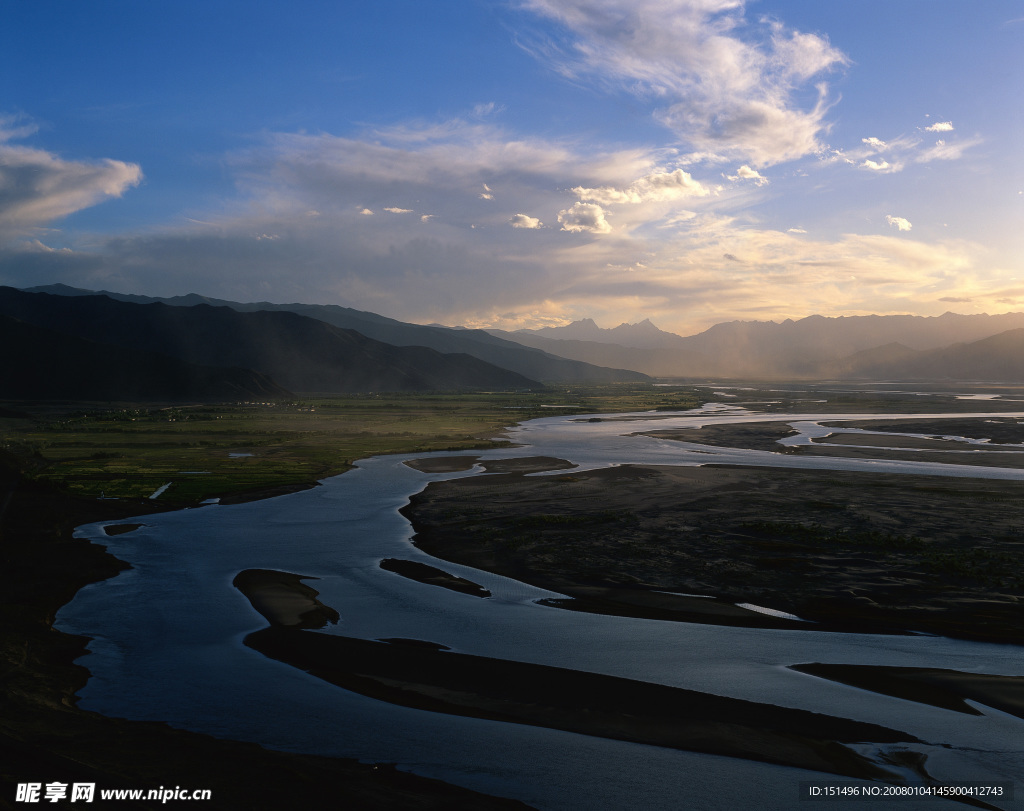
<point x="815" y="347"/>
<point x="297" y="352"/>
<point x="811" y="347"/>
<point x="529" y="362"/>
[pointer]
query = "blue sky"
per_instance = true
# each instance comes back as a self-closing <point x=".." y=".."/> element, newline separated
<point x="521" y="162"/>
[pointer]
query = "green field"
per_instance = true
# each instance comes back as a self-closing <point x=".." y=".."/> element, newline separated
<point x="206" y="451"/>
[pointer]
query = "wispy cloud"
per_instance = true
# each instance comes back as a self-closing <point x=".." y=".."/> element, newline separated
<point x="38" y="187"/>
<point x="725" y="85"/>
<point x="899" y="152"/>
<point x="944" y="151"/>
<point x="940" y="126"/>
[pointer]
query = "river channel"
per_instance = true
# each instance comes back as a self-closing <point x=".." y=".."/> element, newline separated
<point x="167" y="639"/>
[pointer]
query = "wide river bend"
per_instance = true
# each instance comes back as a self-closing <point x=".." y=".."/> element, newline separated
<point x="167" y="640"/>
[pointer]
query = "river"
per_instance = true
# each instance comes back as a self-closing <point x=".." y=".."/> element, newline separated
<point x="167" y="640"/>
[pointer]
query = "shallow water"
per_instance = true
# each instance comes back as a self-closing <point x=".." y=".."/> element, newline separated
<point x="168" y="641"/>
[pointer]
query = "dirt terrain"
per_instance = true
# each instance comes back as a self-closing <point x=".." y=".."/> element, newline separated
<point x="849" y="551"/>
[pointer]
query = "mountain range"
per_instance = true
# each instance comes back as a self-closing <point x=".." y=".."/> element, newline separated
<point x="74" y="343"/>
<point x="511" y="355"/>
<point x="283" y="352"/>
<point x="816" y="347"/>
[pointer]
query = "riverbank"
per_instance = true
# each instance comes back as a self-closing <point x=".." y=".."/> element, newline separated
<point x="881" y="553"/>
<point x="44" y="737"/>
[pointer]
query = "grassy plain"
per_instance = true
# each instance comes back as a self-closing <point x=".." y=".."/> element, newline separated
<point x="205" y="451"/>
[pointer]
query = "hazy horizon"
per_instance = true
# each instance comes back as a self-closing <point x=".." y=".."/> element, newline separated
<point x="521" y="164"/>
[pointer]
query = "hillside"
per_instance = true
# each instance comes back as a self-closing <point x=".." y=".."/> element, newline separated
<point x="298" y="353"/>
<point x="507" y="354"/>
<point x="51" y="365"/>
<point x="996" y="358"/>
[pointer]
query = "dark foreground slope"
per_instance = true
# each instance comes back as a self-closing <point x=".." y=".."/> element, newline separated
<point x="299" y="353"/>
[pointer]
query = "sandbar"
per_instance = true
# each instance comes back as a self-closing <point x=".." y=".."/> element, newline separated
<point x="948" y="689"/>
<point x="520" y="465"/>
<point x="283" y="599"/>
<point x="433" y="576"/>
<point x="424" y="677"/>
<point x="879" y="553"/>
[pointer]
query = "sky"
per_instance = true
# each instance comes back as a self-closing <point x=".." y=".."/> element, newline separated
<point x="520" y="163"/>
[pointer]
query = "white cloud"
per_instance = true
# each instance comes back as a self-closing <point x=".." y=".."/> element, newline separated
<point x="427" y="217"/>
<point x="394" y="210"/>
<point x="746" y="173"/>
<point x="38" y="187"/>
<point x="900" y="223"/>
<point x="941" y="126"/>
<point x="525" y="221"/>
<point x="724" y="84"/>
<point x="875" y="143"/>
<point x="367" y="212"/>
<point x="585" y="217"/>
<point x="658" y="187"/>
<point x="884" y="167"/>
<point x="796" y="231"/>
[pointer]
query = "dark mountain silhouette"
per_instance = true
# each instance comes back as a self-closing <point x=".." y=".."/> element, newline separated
<point x="40" y="363"/>
<point x="508" y="354"/>
<point x="817" y="347"/>
<point x="299" y="353"/>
